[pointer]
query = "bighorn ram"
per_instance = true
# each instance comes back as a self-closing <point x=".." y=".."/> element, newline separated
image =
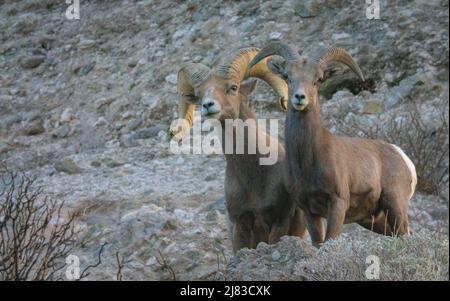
<point x="341" y="179"/>
<point x="257" y="200"/>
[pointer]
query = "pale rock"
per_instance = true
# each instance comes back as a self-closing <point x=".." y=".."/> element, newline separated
<point x="171" y="79"/>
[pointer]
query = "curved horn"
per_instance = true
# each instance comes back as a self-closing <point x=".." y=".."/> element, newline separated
<point x="284" y="50"/>
<point x="236" y="65"/>
<point x="339" y="55"/>
<point x="190" y="76"/>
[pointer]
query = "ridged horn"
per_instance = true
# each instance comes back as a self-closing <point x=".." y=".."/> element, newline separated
<point x="190" y="76"/>
<point x="235" y="65"/>
<point x="337" y="54"/>
<point x="288" y="52"/>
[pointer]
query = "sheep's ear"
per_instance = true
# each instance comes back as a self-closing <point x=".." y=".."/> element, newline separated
<point x="277" y="68"/>
<point x="247" y="87"/>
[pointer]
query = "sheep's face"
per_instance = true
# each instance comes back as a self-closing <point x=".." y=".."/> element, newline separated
<point x="303" y="79"/>
<point x="221" y="98"/>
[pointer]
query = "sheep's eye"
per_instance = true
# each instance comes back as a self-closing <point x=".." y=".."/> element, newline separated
<point x="318" y="81"/>
<point x="234" y="88"/>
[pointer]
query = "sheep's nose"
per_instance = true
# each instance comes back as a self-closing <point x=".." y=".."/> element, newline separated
<point x="299" y="97"/>
<point x="299" y="101"/>
<point x="210" y="107"/>
<point x="208" y="104"/>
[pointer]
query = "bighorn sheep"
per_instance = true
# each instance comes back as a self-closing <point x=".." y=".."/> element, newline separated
<point x="257" y="200"/>
<point x="341" y="179"/>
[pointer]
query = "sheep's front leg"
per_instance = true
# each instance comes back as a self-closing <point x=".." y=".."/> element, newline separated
<point x="336" y="218"/>
<point x="278" y="230"/>
<point x="260" y="231"/>
<point x="298" y="224"/>
<point x="316" y="229"/>
<point x="242" y="232"/>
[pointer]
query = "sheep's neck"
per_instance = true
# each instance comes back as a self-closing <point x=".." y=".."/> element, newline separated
<point x="306" y="137"/>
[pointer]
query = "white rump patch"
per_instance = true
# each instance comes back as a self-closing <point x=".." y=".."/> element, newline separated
<point x="411" y="167"/>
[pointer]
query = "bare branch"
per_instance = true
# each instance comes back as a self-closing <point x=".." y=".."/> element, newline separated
<point x="165" y="265"/>
<point x="85" y="272"/>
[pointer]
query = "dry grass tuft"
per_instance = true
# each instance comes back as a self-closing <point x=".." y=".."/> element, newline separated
<point x="422" y="256"/>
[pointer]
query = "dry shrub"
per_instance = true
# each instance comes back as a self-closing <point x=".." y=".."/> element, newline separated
<point x="36" y="235"/>
<point x="34" y="238"/>
<point x="426" y="145"/>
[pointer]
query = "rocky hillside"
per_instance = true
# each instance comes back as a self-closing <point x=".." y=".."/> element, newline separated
<point x="85" y="105"/>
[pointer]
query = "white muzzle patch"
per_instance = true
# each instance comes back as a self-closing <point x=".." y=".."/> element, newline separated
<point x="299" y="100"/>
<point x="210" y="107"/>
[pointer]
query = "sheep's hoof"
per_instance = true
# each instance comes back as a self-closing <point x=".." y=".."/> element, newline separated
<point x="318" y="245"/>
